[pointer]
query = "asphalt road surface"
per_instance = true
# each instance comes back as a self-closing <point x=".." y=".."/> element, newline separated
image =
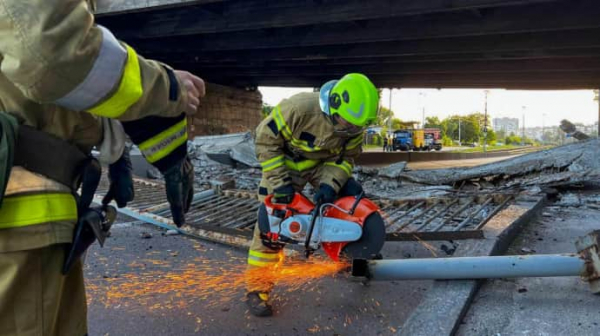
<point x="133" y="289"/>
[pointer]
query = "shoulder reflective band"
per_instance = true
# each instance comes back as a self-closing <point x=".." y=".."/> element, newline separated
<point x="108" y="70"/>
<point x="301" y="165"/>
<point x="19" y="211"/>
<point x="261" y="259"/>
<point x="129" y="92"/>
<point x="165" y="142"/>
<point x="273" y="163"/>
<point x="287" y="133"/>
<point x="345" y="166"/>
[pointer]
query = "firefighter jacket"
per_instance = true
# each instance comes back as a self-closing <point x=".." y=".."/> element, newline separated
<point x="61" y="73"/>
<point x="297" y="136"/>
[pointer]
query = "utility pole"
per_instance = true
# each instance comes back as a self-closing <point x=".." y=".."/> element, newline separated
<point x="543" y="127"/>
<point x="423" y="98"/>
<point x="598" y="112"/>
<point x="459" y="143"/>
<point x="523" y="136"/>
<point x="391" y="115"/>
<point x="487" y="92"/>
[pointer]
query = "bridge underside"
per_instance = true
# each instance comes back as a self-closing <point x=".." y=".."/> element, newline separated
<point x="516" y="44"/>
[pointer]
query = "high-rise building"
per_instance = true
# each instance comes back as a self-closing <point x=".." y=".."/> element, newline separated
<point x="508" y="125"/>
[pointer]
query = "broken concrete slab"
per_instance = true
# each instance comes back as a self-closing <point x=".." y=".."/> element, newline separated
<point x="565" y="164"/>
<point x="393" y="170"/>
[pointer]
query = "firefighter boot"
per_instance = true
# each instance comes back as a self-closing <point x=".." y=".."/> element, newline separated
<point x="258" y="304"/>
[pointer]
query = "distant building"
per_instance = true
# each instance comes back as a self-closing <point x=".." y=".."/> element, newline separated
<point x="508" y="125"/>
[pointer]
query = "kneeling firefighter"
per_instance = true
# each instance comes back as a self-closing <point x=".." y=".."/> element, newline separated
<point x="309" y="138"/>
<point x="67" y="85"/>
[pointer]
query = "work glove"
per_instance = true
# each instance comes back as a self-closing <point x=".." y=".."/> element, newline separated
<point x="284" y="194"/>
<point x="121" y="182"/>
<point x="325" y="194"/>
<point x="179" y="183"/>
<point x="351" y="188"/>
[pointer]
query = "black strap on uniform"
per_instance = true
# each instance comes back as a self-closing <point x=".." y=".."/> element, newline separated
<point x="48" y="155"/>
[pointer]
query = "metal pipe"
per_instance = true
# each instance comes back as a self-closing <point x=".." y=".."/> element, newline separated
<point x="550" y="265"/>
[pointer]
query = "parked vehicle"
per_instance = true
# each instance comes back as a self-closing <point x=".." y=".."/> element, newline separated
<point x="433" y="139"/>
<point x="418" y="137"/>
<point x="403" y="140"/>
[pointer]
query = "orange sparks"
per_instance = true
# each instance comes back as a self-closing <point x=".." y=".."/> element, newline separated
<point x="213" y="282"/>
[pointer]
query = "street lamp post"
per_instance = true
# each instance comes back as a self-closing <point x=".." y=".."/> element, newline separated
<point x="487" y="92"/>
<point x="459" y="143"/>
<point x="523" y="135"/>
<point x="543" y="127"/>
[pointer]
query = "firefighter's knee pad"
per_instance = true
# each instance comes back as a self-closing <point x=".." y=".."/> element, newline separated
<point x="265" y="230"/>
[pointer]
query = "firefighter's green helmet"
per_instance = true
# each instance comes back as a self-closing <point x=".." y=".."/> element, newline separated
<point x="353" y="97"/>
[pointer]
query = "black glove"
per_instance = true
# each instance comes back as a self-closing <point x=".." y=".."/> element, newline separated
<point x="179" y="182"/>
<point x="284" y="195"/>
<point x="351" y="188"/>
<point x="325" y="194"/>
<point x="173" y="164"/>
<point x="121" y="182"/>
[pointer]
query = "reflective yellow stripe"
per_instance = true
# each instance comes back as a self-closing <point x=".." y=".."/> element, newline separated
<point x="260" y="263"/>
<point x="263" y="255"/>
<point x="281" y="125"/>
<point x="273" y="163"/>
<point x="165" y="142"/>
<point x="287" y="132"/>
<point x="355" y="142"/>
<point x="19" y="211"/>
<point x="301" y="165"/>
<point x="345" y="166"/>
<point x="129" y="92"/>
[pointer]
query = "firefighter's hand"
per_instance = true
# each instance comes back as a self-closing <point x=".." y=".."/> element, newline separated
<point x="195" y="89"/>
<point x="121" y="182"/>
<point x="351" y="188"/>
<point x="325" y="194"/>
<point x="179" y="183"/>
<point x="284" y="194"/>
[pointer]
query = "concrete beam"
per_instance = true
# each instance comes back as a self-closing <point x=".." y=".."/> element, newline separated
<point x="124" y="6"/>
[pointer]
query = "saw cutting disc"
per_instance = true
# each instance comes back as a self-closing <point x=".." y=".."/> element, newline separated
<point x="371" y="242"/>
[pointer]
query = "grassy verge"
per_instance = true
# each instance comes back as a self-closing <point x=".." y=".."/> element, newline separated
<point x="489" y="149"/>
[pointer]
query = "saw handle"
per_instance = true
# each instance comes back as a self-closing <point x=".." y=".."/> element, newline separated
<point x="358" y="198"/>
<point x="307" y="249"/>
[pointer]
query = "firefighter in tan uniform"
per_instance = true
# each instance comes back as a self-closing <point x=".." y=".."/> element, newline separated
<point x="309" y="138"/>
<point x="66" y="78"/>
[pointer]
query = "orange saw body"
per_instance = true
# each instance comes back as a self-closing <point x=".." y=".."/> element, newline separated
<point x="350" y="227"/>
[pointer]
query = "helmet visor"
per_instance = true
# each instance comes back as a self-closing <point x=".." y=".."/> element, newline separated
<point x="324" y="95"/>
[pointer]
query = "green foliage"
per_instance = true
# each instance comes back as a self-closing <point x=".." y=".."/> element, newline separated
<point x="396" y="124"/>
<point x="266" y="110"/>
<point x="447" y="141"/>
<point x="433" y="122"/>
<point x="383" y="116"/>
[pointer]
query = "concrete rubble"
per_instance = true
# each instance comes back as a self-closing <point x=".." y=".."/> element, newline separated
<point x="569" y="164"/>
<point x="218" y="159"/>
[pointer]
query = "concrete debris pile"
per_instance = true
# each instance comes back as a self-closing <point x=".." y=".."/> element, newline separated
<point x="208" y="170"/>
<point x="560" y="166"/>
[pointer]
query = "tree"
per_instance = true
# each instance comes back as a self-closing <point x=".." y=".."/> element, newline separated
<point x="433" y="122"/>
<point x="491" y="137"/>
<point x="383" y="116"/>
<point x="266" y="110"/>
<point x="396" y="124"/>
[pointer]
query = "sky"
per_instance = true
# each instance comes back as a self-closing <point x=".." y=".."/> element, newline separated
<point x="541" y="108"/>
